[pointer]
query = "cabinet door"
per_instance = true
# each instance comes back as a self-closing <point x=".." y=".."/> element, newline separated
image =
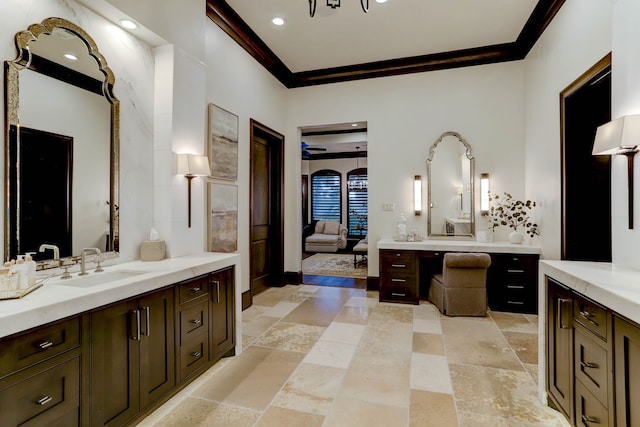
<point x="157" y="349"/>
<point x="627" y="372"/>
<point x="560" y="347"/>
<point x="114" y="364"/>
<point x="222" y="313"/>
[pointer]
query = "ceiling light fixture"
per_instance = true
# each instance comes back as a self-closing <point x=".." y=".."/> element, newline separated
<point x="128" y="24"/>
<point x="277" y="21"/>
<point x="333" y="4"/>
<point x="71" y="56"/>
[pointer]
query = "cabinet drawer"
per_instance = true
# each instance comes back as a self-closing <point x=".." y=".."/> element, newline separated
<point x="398" y="260"/>
<point x="592" y="316"/>
<point x="194" y="354"/>
<point x="43" y="397"/>
<point x="399" y="289"/>
<point x="193" y="289"/>
<point x="591" y="364"/>
<point x="194" y="320"/>
<point x="41" y="344"/>
<point x="589" y="412"/>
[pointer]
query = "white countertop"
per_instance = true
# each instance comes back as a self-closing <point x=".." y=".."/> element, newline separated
<point x="617" y="288"/>
<point x="54" y="300"/>
<point x="458" y="245"/>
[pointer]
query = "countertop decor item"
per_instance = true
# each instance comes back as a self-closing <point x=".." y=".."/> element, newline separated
<point x="515" y="214"/>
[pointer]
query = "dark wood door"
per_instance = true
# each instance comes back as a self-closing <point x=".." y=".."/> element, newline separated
<point x="157" y="348"/>
<point x="267" y="174"/>
<point x="222" y="314"/>
<point x="114" y="364"/>
<point x="560" y="347"/>
<point x="627" y="372"/>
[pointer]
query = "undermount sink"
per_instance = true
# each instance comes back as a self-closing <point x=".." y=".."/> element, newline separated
<point x="95" y="279"/>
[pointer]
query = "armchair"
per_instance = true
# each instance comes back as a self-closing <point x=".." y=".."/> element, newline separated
<point x="328" y="236"/>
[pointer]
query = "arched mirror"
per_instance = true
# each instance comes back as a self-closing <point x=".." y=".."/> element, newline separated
<point x="61" y="144"/>
<point x="450" y="171"/>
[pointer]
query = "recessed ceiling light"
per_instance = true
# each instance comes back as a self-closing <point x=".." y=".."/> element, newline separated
<point x="381" y="1"/>
<point x="354" y="124"/>
<point x="278" y="21"/>
<point x="128" y="24"/>
<point x="71" y="56"/>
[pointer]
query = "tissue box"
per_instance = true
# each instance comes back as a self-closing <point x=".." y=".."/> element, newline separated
<point x="152" y="250"/>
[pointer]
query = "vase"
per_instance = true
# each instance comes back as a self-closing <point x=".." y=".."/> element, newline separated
<point x="516" y="238"/>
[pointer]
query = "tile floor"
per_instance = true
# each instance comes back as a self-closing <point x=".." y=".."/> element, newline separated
<point x="322" y="356"/>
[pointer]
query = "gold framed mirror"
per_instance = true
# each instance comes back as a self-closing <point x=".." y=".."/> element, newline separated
<point x="450" y="175"/>
<point x="61" y="144"/>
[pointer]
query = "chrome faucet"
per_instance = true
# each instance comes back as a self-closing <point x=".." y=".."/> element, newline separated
<point x="83" y="259"/>
<point x="54" y="248"/>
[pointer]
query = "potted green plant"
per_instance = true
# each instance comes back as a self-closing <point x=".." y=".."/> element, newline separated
<point x="515" y="214"/>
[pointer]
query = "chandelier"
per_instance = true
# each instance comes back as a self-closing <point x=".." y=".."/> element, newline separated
<point x="358" y="182"/>
<point x="334" y="4"/>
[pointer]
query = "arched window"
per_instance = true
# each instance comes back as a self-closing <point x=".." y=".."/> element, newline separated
<point x="326" y="194"/>
<point x="357" y="202"/>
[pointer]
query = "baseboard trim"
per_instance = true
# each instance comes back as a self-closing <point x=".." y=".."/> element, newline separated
<point x="373" y="283"/>
<point x="246" y="300"/>
<point x="293" y="277"/>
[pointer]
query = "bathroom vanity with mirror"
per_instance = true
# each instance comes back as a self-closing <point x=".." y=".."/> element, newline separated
<point x="87" y="352"/>
<point x="61" y="145"/>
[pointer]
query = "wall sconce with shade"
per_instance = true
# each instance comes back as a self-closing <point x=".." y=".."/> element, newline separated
<point x="417" y="194"/>
<point x="620" y="137"/>
<point x="484" y="194"/>
<point x="192" y="165"/>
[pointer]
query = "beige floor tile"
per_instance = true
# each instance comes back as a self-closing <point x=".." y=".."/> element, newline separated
<point x="330" y="353"/>
<point x="524" y="344"/>
<point x="469" y="419"/>
<point x="357" y="315"/>
<point x="362" y="301"/>
<point x="429" y="326"/>
<point x="272" y="296"/>
<point x="311" y="388"/>
<point x="513" y="322"/>
<point x="426" y="310"/>
<point x="252" y="379"/>
<point x="532" y="368"/>
<point x="253" y="313"/>
<point x="316" y="311"/>
<point x="297" y="297"/>
<point x="197" y="412"/>
<point x="429" y="409"/>
<point x="281" y="309"/>
<point x="430" y="373"/>
<point x="428" y="343"/>
<point x="282" y="417"/>
<point x="346" y="333"/>
<point x="500" y="393"/>
<point x="258" y="326"/>
<point x="477" y="343"/>
<point x="291" y="337"/>
<point x="308" y="289"/>
<point x="343" y="294"/>
<point x="387" y="338"/>
<point x="356" y="413"/>
<point x="391" y="313"/>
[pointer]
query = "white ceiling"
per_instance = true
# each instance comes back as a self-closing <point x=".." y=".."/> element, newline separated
<point x="396" y="29"/>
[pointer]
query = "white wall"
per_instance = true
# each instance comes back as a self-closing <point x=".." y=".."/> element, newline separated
<point x="578" y="37"/>
<point x="405" y="115"/>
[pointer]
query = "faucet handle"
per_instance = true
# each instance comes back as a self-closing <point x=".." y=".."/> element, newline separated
<point x="99" y="259"/>
<point x="65" y="274"/>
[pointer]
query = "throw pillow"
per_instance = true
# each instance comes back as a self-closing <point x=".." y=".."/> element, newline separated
<point x="319" y="227"/>
<point x="332" y="227"/>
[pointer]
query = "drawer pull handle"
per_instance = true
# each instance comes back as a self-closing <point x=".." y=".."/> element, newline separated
<point x="588" y="419"/>
<point x="196" y="321"/>
<point x="196" y="354"/>
<point x="44" y="400"/>
<point x="45" y="345"/>
<point x="589" y="365"/>
<point x="217" y="283"/>
<point x="397" y="294"/>
<point x="586" y="313"/>
<point x="196" y="289"/>
<point x="398" y="265"/>
<point x="398" y="280"/>
<point x="561" y="313"/>
<point x="515" y="302"/>
<point x="515" y="271"/>
<point x="515" y="287"/>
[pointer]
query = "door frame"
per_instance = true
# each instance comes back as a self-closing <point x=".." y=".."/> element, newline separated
<point x="276" y="143"/>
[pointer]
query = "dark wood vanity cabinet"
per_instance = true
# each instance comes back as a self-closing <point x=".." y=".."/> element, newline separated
<point x="222" y="318"/>
<point x="627" y="372"/>
<point x="40" y="375"/>
<point x="192" y="333"/>
<point x="399" y="277"/>
<point x="132" y="357"/>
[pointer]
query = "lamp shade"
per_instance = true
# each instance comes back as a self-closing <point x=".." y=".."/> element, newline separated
<point x="618" y="135"/>
<point x="192" y="164"/>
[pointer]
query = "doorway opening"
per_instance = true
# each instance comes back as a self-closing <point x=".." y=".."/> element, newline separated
<point x="586" y="179"/>
<point x="334" y="193"/>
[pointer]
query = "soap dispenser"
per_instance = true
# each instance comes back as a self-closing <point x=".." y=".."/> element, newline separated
<point x="31" y="268"/>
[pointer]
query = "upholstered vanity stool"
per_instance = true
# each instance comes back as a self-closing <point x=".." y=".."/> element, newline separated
<point x="461" y="289"/>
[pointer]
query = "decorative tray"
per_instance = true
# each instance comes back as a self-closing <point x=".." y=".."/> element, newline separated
<point x="19" y="293"/>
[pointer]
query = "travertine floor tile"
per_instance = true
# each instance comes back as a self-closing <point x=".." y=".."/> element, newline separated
<point x="311" y="388"/>
<point x="329" y="353"/>
<point x="429" y="409"/>
<point x="356" y="413"/>
<point x="316" y="311"/>
<point x="469" y="419"/>
<point x="252" y="379"/>
<point x="291" y="337"/>
<point x="428" y="343"/>
<point x="272" y="296"/>
<point x="197" y="412"/>
<point x="281" y="309"/>
<point x="343" y="332"/>
<point x="282" y="417"/>
<point x="513" y="322"/>
<point x="525" y="345"/>
<point x="362" y="301"/>
<point x="430" y="373"/>
<point x="357" y="315"/>
<point x="477" y="343"/>
<point x="258" y="326"/>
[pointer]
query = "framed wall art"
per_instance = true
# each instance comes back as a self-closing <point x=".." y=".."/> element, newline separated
<point x="223" y="143"/>
<point x="222" y="229"/>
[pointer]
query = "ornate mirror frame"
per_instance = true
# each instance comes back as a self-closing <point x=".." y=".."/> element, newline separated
<point x="12" y="118"/>
<point x="470" y="232"/>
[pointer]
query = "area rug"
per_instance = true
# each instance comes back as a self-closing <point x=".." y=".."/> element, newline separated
<point x="334" y="265"/>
